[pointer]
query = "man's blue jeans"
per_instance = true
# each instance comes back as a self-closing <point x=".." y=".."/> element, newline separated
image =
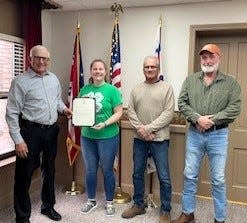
<point x="213" y="144"/>
<point x="159" y="152"/>
<point x="103" y="152"/>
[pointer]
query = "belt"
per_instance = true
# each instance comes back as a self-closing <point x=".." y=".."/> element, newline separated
<point x="35" y="124"/>
<point x="213" y="128"/>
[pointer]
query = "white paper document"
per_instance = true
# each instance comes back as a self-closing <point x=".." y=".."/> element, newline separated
<point x="84" y="111"/>
<point x="6" y="143"/>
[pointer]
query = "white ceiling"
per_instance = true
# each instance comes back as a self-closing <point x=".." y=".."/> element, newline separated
<point x="68" y="5"/>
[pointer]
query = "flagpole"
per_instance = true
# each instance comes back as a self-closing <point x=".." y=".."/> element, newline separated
<point x="76" y="188"/>
<point x="150" y="200"/>
<point x="160" y="26"/>
<point x="161" y="75"/>
<point x="120" y="197"/>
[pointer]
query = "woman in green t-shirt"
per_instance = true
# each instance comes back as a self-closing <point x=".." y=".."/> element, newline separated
<point x="100" y="142"/>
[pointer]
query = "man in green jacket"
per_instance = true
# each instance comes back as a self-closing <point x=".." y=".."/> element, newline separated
<point x="209" y="100"/>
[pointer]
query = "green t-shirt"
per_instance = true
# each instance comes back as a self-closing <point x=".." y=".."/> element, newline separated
<point x="107" y="98"/>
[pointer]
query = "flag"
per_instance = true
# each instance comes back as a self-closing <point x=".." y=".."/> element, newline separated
<point x="157" y="51"/>
<point x="76" y="82"/>
<point x="115" y="67"/>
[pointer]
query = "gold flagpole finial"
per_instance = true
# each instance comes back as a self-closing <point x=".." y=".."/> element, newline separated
<point x="160" y="20"/>
<point x="116" y="9"/>
<point x="78" y="22"/>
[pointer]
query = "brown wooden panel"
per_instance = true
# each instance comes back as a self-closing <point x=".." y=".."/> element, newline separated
<point x="241" y="122"/>
<point x="240" y="176"/>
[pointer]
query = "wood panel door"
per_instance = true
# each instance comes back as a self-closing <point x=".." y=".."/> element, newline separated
<point x="234" y="62"/>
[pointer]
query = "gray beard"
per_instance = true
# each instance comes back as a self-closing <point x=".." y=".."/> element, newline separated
<point x="209" y="69"/>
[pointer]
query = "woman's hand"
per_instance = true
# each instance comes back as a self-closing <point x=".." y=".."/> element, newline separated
<point x="118" y="111"/>
<point x="99" y="126"/>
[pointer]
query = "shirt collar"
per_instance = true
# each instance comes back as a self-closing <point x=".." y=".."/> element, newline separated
<point x="219" y="76"/>
<point x="32" y="73"/>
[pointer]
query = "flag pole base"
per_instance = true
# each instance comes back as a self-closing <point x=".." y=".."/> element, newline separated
<point x="149" y="202"/>
<point x="74" y="189"/>
<point x="121" y="197"/>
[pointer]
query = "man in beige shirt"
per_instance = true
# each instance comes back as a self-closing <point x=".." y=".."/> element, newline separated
<point x="151" y="109"/>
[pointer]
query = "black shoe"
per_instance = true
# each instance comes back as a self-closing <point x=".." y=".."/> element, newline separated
<point x="51" y="213"/>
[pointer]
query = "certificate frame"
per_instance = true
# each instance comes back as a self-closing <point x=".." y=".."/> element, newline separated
<point x="7" y="146"/>
<point x="84" y="111"/>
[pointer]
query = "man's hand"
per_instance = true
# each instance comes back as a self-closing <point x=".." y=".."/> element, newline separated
<point x="204" y="122"/>
<point x="150" y="137"/>
<point x="67" y="112"/>
<point x="141" y="131"/>
<point x="21" y="150"/>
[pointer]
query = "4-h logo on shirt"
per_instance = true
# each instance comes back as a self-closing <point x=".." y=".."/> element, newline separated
<point x="98" y="97"/>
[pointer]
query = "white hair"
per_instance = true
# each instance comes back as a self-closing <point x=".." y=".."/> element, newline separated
<point x="152" y="58"/>
<point x="38" y="47"/>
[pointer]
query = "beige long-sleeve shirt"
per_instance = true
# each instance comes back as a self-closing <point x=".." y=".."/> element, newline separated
<point x="152" y="105"/>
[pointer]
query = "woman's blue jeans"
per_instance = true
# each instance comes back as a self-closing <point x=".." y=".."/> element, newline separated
<point x="100" y="152"/>
<point x="213" y="144"/>
<point x="159" y="152"/>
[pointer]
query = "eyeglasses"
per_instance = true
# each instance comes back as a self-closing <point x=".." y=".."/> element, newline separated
<point x="45" y="59"/>
<point x="150" y="67"/>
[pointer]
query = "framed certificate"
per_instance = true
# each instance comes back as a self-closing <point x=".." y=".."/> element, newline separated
<point x="7" y="146"/>
<point x="84" y="111"/>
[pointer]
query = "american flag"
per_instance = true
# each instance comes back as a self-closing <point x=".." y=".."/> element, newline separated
<point x="76" y="82"/>
<point x="157" y="52"/>
<point x="115" y="67"/>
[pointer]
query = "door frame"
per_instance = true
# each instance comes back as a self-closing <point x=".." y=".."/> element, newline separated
<point x="210" y="29"/>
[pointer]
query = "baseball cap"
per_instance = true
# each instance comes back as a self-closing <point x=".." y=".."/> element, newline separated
<point x="212" y="48"/>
